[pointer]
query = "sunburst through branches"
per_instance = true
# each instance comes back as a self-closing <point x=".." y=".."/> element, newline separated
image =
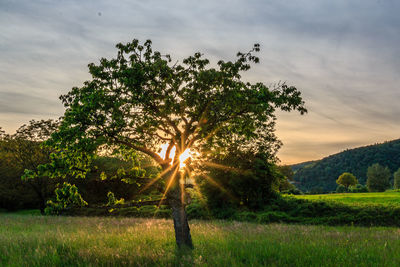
<point x="184" y="173"/>
<point x="182" y="157"/>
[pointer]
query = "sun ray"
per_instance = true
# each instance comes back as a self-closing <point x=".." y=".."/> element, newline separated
<point x="169" y="185"/>
<point x="213" y="132"/>
<point x="155" y="179"/>
<point x="223" y="167"/>
<point x="202" y="199"/>
<point x="147" y="165"/>
<point x="182" y="186"/>
<point x="220" y="187"/>
<point x="182" y="157"/>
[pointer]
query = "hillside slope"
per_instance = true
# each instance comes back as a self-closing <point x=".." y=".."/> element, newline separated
<point x="323" y="173"/>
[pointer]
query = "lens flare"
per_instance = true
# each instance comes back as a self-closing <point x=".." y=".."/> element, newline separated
<point x="182" y="158"/>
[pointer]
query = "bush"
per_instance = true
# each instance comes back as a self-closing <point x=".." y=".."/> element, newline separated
<point x="67" y="197"/>
<point x="196" y="210"/>
<point x="294" y="191"/>
<point x="245" y="216"/>
<point x="249" y="181"/>
<point x="317" y="212"/>
<point x="341" y="189"/>
<point x="274" y="216"/>
<point x="359" y="188"/>
<point x="112" y="201"/>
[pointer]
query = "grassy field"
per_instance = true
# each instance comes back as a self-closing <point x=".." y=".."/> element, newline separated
<point x="382" y="198"/>
<point x="27" y="240"/>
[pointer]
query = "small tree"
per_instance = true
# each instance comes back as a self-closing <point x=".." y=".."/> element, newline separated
<point x="396" y="176"/>
<point x="139" y="101"/>
<point x="347" y="179"/>
<point x="378" y="178"/>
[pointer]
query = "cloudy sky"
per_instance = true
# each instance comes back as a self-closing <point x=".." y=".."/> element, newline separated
<point x="343" y="55"/>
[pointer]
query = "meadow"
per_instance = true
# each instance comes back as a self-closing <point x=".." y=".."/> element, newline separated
<point x="389" y="198"/>
<point x="27" y="240"/>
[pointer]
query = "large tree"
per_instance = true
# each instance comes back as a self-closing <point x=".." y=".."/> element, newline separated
<point x="139" y="101"/>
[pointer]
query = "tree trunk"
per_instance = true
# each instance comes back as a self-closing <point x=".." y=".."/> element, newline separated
<point x="42" y="206"/>
<point x="37" y="187"/>
<point x="176" y="200"/>
<point x="181" y="225"/>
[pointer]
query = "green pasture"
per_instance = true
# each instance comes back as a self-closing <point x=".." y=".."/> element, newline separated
<point x="389" y="198"/>
<point x="30" y="240"/>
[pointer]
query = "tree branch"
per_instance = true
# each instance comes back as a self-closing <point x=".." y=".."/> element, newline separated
<point x="145" y="150"/>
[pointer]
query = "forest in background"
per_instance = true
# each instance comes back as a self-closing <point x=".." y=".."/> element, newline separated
<point x="321" y="175"/>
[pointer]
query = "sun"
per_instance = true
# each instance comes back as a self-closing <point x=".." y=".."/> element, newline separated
<point x="182" y="158"/>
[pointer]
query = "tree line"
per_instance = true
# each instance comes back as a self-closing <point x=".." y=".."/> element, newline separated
<point x="378" y="180"/>
<point x="322" y="174"/>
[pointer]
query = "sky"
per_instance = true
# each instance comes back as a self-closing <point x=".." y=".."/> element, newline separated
<point x="342" y="55"/>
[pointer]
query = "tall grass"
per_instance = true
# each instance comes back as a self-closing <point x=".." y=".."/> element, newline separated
<point x="27" y="240"/>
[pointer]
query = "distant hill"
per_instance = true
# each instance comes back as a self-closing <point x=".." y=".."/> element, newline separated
<point x="323" y="173"/>
<point x="298" y="166"/>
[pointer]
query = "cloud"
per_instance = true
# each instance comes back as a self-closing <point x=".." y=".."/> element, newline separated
<point x="19" y="103"/>
<point x="342" y="55"/>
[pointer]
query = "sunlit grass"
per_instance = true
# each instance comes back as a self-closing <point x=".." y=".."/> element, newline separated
<point x="79" y="241"/>
<point x="358" y="199"/>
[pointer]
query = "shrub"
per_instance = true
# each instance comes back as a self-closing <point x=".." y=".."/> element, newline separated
<point x="196" y="210"/>
<point x="248" y="180"/>
<point x="273" y="216"/>
<point x="294" y="191"/>
<point x="67" y="197"/>
<point x="112" y="201"/>
<point x="359" y="188"/>
<point x="341" y="189"/>
<point x="245" y="216"/>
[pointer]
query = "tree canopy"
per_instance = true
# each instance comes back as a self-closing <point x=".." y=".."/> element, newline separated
<point x="24" y="150"/>
<point x="141" y="100"/>
<point x="347" y="179"/>
<point x="378" y="178"/>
